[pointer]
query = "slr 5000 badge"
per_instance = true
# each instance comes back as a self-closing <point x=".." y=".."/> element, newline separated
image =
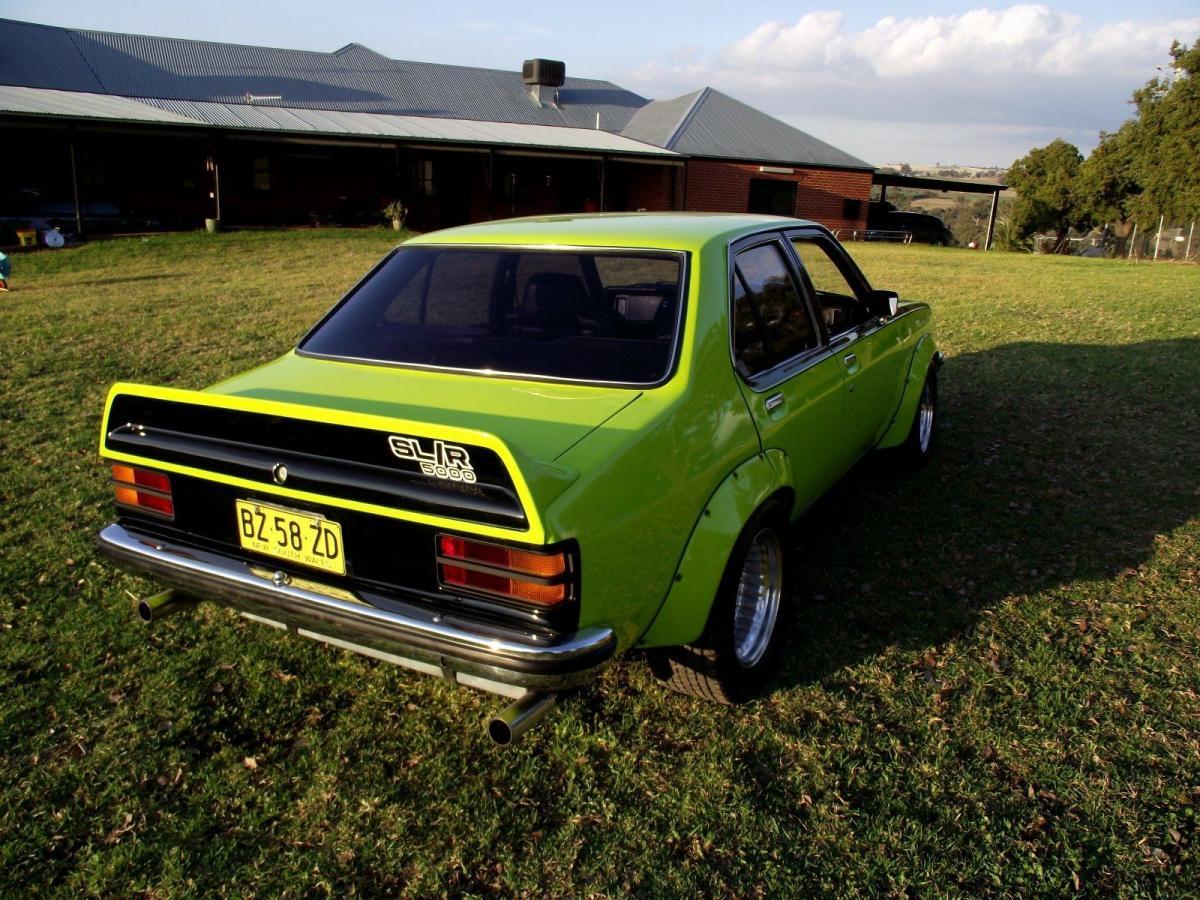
<point x="446" y="461"/>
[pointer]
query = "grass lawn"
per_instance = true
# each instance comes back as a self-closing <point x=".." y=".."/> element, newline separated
<point x="993" y="684"/>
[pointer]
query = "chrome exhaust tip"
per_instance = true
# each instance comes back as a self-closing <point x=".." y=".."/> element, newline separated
<point x="151" y="609"/>
<point x="507" y="726"/>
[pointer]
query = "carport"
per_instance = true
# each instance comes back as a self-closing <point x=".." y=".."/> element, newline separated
<point x="886" y="180"/>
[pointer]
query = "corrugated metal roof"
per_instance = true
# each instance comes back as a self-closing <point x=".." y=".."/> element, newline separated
<point x="709" y="123"/>
<point x="659" y="120"/>
<point x="352" y="79"/>
<point x="318" y="90"/>
<point x="425" y="128"/>
<point x="37" y="56"/>
<point x="80" y="105"/>
<point x="46" y="102"/>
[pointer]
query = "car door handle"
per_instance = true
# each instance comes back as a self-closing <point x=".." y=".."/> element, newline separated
<point x="851" y="360"/>
<point x="773" y="402"/>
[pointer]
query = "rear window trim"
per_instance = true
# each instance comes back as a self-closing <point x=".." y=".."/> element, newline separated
<point x="684" y="257"/>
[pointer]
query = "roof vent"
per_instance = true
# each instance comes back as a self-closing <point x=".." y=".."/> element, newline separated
<point x="543" y="77"/>
<point x="550" y="72"/>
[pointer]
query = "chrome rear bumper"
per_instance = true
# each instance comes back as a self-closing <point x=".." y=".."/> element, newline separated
<point x="504" y="660"/>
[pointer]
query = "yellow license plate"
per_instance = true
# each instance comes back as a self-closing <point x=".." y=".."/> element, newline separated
<point x="297" y="537"/>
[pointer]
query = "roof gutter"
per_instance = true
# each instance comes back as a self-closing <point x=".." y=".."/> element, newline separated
<point x="866" y="167"/>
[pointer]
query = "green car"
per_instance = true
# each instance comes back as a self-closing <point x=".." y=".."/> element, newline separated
<point x="518" y="449"/>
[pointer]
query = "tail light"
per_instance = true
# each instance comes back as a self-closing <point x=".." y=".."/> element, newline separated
<point x="541" y="578"/>
<point x="144" y="490"/>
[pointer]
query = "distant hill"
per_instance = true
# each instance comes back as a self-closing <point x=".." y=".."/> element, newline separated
<point x="947" y="170"/>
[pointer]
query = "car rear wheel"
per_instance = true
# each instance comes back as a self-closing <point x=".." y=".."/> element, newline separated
<point x="738" y="652"/>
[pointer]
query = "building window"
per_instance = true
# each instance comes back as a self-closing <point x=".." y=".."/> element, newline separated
<point x="423" y="178"/>
<point x="262" y="173"/>
<point x="773" y="197"/>
<point x="851" y="209"/>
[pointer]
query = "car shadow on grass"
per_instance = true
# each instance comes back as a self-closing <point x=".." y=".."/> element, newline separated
<point x="1055" y="463"/>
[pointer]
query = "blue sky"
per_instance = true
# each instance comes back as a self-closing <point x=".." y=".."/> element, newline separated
<point x="930" y="82"/>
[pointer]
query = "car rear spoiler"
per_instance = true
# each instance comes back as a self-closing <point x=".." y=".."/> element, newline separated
<point x="439" y="475"/>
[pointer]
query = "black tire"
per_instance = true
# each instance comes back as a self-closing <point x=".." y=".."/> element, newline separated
<point x="918" y="446"/>
<point x="718" y="667"/>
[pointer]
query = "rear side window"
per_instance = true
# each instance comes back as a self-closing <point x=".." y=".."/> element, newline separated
<point x="586" y="316"/>
<point x="771" y="323"/>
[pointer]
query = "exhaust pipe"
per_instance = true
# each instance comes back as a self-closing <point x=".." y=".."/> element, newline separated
<point x="507" y="726"/>
<point x="162" y="605"/>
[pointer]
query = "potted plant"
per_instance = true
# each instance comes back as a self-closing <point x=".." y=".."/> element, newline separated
<point x="397" y="212"/>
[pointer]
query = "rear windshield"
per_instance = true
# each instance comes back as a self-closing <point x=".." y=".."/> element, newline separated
<point x="560" y="314"/>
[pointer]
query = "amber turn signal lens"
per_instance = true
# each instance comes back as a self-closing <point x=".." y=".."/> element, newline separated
<point x="128" y="496"/>
<point x="541" y="594"/>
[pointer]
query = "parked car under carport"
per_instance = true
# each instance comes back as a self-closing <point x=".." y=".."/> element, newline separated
<point x="921" y="228"/>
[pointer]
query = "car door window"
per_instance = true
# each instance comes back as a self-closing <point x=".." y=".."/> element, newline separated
<point x="837" y="300"/>
<point x="771" y="322"/>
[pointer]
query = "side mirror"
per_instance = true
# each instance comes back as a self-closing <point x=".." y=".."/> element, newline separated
<point x="883" y="304"/>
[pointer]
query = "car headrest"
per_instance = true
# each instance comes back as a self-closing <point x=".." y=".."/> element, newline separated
<point x="553" y="301"/>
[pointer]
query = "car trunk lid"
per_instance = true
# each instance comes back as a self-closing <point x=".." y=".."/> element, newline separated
<point x="543" y="419"/>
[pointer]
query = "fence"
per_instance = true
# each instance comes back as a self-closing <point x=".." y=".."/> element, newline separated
<point x="1166" y="241"/>
<point x="1180" y="243"/>
<point x="1161" y="241"/>
<point x="873" y="234"/>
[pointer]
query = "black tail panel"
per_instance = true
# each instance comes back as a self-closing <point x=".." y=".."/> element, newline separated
<point x="463" y="482"/>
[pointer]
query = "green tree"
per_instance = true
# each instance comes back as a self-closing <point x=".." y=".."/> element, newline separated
<point x="1148" y="167"/>
<point x="1045" y="180"/>
<point x="1107" y="184"/>
<point x="1166" y="139"/>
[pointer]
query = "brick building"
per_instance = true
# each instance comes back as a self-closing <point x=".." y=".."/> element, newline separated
<point x="740" y="159"/>
<point x="111" y="132"/>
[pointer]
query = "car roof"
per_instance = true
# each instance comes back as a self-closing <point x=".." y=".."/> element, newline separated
<point x="663" y="231"/>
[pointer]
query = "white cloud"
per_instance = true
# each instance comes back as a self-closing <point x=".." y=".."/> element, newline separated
<point x="1022" y="67"/>
<point x="818" y="39"/>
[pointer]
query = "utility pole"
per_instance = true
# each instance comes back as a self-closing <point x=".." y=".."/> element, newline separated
<point x="991" y="229"/>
